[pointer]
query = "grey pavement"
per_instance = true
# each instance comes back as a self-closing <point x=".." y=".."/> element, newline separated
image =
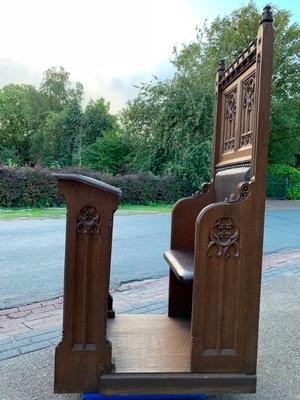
<point x="30" y="377"/>
<point x="29" y="333"/>
<point x="32" y="251"/>
<point x="36" y="326"/>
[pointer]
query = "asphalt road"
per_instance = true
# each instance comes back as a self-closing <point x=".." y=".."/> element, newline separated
<point x="32" y="252"/>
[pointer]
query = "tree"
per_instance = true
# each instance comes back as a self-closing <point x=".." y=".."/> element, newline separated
<point x="108" y="153"/>
<point x="55" y="142"/>
<point x="225" y="38"/>
<point x="22" y="110"/>
<point x="171" y="122"/>
<point x="57" y="89"/>
<point x="97" y="120"/>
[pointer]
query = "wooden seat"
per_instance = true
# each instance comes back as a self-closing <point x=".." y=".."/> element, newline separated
<point x="181" y="263"/>
<point x="227" y="183"/>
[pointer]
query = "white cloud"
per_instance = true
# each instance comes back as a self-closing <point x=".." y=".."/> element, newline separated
<point x="99" y="42"/>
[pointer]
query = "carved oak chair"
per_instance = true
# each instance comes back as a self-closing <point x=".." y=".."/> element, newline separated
<point x="215" y="263"/>
<point x="217" y="235"/>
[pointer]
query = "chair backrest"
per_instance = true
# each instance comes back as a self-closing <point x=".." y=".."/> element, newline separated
<point x="239" y="138"/>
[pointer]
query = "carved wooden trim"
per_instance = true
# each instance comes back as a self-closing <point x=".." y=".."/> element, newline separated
<point x="243" y="191"/>
<point x="247" y="57"/>
<point x="224" y="239"/>
<point x="205" y="187"/>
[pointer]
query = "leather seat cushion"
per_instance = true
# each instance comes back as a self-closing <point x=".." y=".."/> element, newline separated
<point x="181" y="263"/>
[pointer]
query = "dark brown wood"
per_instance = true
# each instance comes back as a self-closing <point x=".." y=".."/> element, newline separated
<point x="225" y="232"/>
<point x="229" y="234"/>
<point x="215" y="263"/>
<point x="184" y="216"/>
<point x="180" y="297"/>
<point x="85" y="352"/>
<point x="176" y="383"/>
<point x="110" y="310"/>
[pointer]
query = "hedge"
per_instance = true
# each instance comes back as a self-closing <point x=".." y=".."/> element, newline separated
<point x="283" y="178"/>
<point x="35" y="187"/>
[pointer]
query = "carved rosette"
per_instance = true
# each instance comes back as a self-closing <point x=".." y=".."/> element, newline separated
<point x="224" y="239"/>
<point x="88" y="221"/>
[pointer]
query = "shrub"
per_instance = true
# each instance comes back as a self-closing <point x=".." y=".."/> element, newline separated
<point x="35" y="187"/>
<point x="286" y="175"/>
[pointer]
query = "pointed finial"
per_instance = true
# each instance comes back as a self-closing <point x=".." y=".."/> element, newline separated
<point x="267" y="15"/>
<point x="221" y="67"/>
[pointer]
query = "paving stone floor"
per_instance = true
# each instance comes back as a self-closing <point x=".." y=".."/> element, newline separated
<point x="37" y="326"/>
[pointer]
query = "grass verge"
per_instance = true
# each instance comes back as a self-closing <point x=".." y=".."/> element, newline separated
<point x="124" y="209"/>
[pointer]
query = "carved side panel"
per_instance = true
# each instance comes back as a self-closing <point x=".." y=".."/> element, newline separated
<point x="223" y="289"/>
<point x="247" y="112"/>
<point x="229" y="124"/>
<point x="87" y="253"/>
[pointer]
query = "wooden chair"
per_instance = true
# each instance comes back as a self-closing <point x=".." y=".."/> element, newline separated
<point x="215" y="263"/>
<point x="217" y="235"/>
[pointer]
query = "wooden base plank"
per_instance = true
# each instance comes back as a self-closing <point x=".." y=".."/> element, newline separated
<point x="176" y="383"/>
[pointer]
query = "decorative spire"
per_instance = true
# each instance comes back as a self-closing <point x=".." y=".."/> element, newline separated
<point x="267" y="15"/>
<point x="221" y="67"/>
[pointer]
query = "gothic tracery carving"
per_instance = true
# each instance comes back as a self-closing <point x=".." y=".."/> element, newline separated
<point x="230" y="117"/>
<point x="231" y="106"/>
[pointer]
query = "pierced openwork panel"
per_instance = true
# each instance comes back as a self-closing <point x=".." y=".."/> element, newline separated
<point x="230" y="100"/>
<point x="247" y="111"/>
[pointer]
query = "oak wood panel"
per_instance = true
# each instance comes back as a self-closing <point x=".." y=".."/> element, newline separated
<point x="150" y="343"/>
<point x="220" y="296"/>
<point x="84" y="352"/>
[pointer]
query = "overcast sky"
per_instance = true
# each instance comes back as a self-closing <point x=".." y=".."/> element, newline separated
<point x="108" y="45"/>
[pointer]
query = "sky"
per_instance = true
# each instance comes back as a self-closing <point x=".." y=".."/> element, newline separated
<point x="108" y="45"/>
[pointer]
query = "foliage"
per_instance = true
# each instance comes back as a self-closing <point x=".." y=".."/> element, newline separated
<point x="9" y="156"/>
<point x="57" y="89"/>
<point x="21" y="110"/>
<point x="35" y="187"/>
<point x="108" y="153"/>
<point x="171" y="122"/>
<point x="290" y="175"/>
<point x="97" y="120"/>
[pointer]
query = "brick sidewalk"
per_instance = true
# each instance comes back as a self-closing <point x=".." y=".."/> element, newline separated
<point x="36" y="326"/>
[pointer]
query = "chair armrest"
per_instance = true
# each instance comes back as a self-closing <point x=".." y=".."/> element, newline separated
<point x="184" y="215"/>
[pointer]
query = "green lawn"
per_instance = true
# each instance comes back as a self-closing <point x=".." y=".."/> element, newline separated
<point x="20" y="213"/>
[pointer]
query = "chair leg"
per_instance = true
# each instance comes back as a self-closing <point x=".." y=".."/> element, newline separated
<point x="180" y="297"/>
<point x="110" y="310"/>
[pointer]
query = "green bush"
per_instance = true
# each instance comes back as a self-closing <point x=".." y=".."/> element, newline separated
<point x="35" y="187"/>
<point x="286" y="176"/>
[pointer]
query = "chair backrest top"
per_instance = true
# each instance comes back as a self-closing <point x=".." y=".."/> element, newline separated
<point x="241" y="111"/>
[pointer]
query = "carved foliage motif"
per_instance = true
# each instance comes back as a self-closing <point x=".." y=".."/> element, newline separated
<point x="88" y="221"/>
<point x="224" y="239"/>
<point x="229" y="123"/>
<point x="248" y="97"/>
